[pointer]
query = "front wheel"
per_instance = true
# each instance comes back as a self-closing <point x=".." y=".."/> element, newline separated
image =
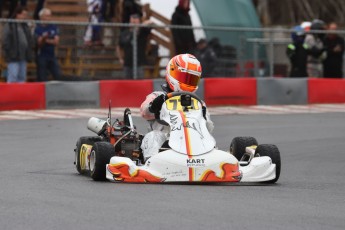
<point x="238" y="145"/>
<point x="100" y="155"/>
<point x="271" y="151"/>
<point x="79" y="160"/>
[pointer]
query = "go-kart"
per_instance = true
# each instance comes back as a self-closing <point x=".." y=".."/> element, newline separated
<point x="189" y="156"/>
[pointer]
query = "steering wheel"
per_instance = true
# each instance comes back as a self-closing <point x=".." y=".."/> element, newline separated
<point x="193" y="95"/>
<point x="174" y="94"/>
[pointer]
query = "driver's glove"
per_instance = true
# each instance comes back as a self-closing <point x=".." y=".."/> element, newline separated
<point x="156" y="105"/>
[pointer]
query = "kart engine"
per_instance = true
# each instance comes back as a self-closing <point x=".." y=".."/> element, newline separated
<point x="129" y="146"/>
<point x="125" y="139"/>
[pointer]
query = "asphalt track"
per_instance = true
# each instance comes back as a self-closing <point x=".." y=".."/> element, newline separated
<point x="40" y="188"/>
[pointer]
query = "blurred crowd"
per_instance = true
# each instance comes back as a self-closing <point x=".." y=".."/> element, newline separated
<point x="18" y="39"/>
<point x="18" y="42"/>
<point x="316" y="50"/>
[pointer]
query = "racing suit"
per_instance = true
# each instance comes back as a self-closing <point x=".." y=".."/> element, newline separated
<point x="159" y="133"/>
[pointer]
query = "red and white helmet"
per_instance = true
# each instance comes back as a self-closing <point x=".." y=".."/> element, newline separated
<point x="183" y="73"/>
<point x="306" y="26"/>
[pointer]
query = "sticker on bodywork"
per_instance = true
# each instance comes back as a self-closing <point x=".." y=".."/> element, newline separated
<point x="84" y="155"/>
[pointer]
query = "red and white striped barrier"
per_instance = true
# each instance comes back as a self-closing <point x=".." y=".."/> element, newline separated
<point x="130" y="93"/>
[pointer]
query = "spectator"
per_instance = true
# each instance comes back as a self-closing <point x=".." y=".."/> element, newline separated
<point x="93" y="32"/>
<point x="214" y="43"/>
<point x="130" y="7"/>
<point x="108" y="9"/>
<point x="17" y="46"/>
<point x="183" y="38"/>
<point x="207" y="57"/>
<point x="333" y="64"/>
<point x="12" y="6"/>
<point x="125" y="47"/>
<point x="297" y="53"/>
<point x="47" y="38"/>
<point x="316" y="49"/>
<point x="39" y="7"/>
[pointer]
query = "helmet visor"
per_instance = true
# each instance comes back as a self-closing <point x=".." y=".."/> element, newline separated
<point x="186" y="78"/>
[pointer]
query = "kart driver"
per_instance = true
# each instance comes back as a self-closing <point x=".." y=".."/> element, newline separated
<point x="183" y="74"/>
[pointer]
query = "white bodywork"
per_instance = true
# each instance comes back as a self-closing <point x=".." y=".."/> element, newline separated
<point x="193" y="156"/>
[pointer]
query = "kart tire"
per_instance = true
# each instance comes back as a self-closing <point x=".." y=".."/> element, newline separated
<point x="100" y="155"/>
<point x="271" y="151"/>
<point x="238" y="145"/>
<point x="79" y="144"/>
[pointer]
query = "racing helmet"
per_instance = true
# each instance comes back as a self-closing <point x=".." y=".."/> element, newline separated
<point x="183" y="73"/>
<point x="317" y="24"/>
<point x="306" y="26"/>
<point x="298" y="34"/>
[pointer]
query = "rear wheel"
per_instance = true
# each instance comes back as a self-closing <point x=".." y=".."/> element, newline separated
<point x="238" y="145"/>
<point x="77" y="160"/>
<point x="271" y="151"/>
<point x="99" y="157"/>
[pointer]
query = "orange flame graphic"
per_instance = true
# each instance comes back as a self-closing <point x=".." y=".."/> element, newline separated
<point x="121" y="173"/>
<point x="230" y="173"/>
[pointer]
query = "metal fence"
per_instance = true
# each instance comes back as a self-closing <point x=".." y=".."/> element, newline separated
<point x="240" y="52"/>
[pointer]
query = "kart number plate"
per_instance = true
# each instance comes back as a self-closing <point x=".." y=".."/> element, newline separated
<point x="174" y="103"/>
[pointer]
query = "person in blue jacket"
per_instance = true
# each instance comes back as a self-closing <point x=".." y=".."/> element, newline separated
<point x="47" y="38"/>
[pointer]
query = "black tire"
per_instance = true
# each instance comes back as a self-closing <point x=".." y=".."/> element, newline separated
<point x="271" y="151"/>
<point x="100" y="156"/>
<point x="79" y="144"/>
<point x="238" y="145"/>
